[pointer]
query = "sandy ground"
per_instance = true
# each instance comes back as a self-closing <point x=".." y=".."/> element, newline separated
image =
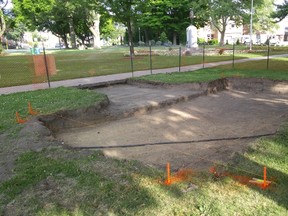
<point x="233" y="113"/>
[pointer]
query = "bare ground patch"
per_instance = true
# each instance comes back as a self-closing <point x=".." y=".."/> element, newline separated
<point x="250" y="107"/>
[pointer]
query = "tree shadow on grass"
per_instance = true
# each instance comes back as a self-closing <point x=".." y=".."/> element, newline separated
<point x="277" y="191"/>
<point x="72" y="183"/>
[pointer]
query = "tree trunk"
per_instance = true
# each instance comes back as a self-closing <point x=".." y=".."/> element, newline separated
<point x="130" y="37"/>
<point x="64" y="37"/>
<point x="174" y="38"/>
<point x="146" y="36"/>
<point x="2" y="23"/>
<point x="95" y="29"/>
<point x="222" y="42"/>
<point x="72" y="33"/>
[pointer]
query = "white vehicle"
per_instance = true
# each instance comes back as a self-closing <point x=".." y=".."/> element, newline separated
<point x="274" y="41"/>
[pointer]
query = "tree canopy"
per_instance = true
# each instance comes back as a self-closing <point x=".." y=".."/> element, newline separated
<point x="281" y="11"/>
<point x="152" y="19"/>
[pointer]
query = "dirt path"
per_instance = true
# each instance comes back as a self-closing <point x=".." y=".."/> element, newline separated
<point x="233" y="113"/>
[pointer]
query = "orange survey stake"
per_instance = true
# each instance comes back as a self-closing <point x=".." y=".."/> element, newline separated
<point x="19" y="119"/>
<point x="168" y="180"/>
<point x="30" y="109"/>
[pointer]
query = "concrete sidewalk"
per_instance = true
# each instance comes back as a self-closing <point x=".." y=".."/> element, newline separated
<point x="118" y="77"/>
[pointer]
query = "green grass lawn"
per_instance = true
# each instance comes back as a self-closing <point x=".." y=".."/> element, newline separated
<point x="58" y="181"/>
<point x="45" y="101"/>
<point x="210" y="74"/>
<point x="19" y="70"/>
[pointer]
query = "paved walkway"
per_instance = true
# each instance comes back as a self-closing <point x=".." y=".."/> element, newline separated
<point x="117" y="77"/>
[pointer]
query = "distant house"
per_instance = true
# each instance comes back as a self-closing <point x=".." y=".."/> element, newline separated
<point x="242" y="33"/>
<point x="232" y="34"/>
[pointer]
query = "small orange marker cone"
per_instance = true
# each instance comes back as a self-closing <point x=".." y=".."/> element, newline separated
<point x="30" y="110"/>
<point x="168" y="180"/>
<point x="19" y="119"/>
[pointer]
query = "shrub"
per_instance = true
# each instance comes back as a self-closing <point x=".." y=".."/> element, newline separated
<point x="152" y="42"/>
<point x="168" y="44"/>
<point x="158" y="43"/>
<point x="141" y="43"/>
<point x="1" y="48"/>
<point x="163" y="37"/>
<point x="213" y="42"/>
<point x="238" y="42"/>
<point x="201" y="41"/>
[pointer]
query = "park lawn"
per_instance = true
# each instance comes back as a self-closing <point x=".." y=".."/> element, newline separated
<point x="274" y="65"/>
<point x="45" y="101"/>
<point x="18" y="69"/>
<point x="278" y="71"/>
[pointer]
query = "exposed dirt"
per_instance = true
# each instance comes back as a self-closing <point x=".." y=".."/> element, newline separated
<point x="250" y="107"/>
<point x="141" y="113"/>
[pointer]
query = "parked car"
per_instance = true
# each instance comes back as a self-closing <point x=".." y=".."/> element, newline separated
<point x="59" y="46"/>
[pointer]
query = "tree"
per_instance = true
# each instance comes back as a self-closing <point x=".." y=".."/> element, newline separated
<point x="42" y="15"/>
<point x="281" y="11"/>
<point x="169" y="16"/>
<point x="262" y="18"/>
<point x="61" y="17"/>
<point x="223" y="11"/>
<point x="3" y="4"/>
<point x="126" y="12"/>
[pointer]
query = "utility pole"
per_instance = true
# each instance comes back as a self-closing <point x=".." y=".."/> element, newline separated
<point x="251" y="24"/>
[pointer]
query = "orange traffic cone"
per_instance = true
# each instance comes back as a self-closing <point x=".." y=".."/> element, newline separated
<point x="19" y="119"/>
<point x="30" y="109"/>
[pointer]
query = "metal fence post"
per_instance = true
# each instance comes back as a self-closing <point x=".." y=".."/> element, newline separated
<point x="268" y="54"/>
<point x="46" y="66"/>
<point x="150" y="49"/>
<point x="131" y="60"/>
<point x="233" y="63"/>
<point x="180" y="59"/>
<point x="203" y="56"/>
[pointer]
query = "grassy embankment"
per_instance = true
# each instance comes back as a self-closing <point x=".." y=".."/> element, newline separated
<point x="278" y="71"/>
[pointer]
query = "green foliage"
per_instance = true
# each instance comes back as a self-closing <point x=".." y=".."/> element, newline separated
<point x="163" y="37"/>
<point x="201" y="41"/>
<point x="169" y="16"/>
<point x="281" y="11"/>
<point x="213" y="42"/>
<point x="238" y="42"/>
<point x="1" y="48"/>
<point x="262" y="18"/>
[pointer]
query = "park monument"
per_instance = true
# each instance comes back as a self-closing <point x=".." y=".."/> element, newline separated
<point x="191" y="33"/>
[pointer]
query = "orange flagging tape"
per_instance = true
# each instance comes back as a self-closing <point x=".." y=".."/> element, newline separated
<point x="30" y="110"/>
<point x="19" y="119"/>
